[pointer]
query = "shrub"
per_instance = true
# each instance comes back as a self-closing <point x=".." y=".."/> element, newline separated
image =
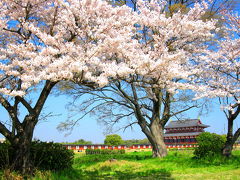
<point x="104" y="151"/>
<point x="122" y="151"/>
<point x="51" y="156"/>
<point x="5" y="155"/>
<point x="209" y="144"/>
<point x="45" y="156"/>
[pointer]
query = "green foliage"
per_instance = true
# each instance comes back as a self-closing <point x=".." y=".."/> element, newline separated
<point x="45" y="156"/>
<point x="5" y="155"/>
<point x="113" y="140"/>
<point x="80" y="141"/>
<point x="209" y="145"/>
<point x="104" y="151"/>
<point x="51" y="156"/>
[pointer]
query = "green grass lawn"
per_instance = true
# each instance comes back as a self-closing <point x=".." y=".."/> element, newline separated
<point x="139" y="165"/>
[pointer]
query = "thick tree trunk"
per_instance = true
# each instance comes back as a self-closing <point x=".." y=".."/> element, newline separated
<point x="154" y="129"/>
<point x="155" y="136"/>
<point x="21" y="157"/>
<point x="21" y="151"/>
<point x="159" y="148"/>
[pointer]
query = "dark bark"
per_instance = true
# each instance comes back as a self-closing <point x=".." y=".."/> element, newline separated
<point x="21" y="156"/>
<point x="157" y="124"/>
<point x="21" y="148"/>
<point x="231" y="138"/>
<point x="154" y="128"/>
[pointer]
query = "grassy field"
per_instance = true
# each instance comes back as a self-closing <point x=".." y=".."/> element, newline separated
<point x="139" y="165"/>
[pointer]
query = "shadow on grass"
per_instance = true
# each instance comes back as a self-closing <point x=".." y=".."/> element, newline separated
<point x="157" y="174"/>
<point x="150" y="174"/>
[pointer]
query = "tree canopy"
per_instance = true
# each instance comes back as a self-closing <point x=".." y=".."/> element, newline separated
<point x="79" y="141"/>
<point x="131" y="142"/>
<point x="160" y="68"/>
<point x="113" y="140"/>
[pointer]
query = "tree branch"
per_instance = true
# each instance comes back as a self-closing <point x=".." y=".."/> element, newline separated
<point x="176" y="113"/>
<point x="12" y="112"/>
<point x="26" y="104"/>
<point x="43" y="97"/>
<point x="5" y="132"/>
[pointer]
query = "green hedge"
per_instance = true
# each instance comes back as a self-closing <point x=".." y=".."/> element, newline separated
<point x="51" y="156"/>
<point x="5" y="155"/>
<point x="104" y="151"/>
<point x="45" y="156"/>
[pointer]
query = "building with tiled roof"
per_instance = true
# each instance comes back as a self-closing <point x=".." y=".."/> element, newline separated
<point x="183" y="131"/>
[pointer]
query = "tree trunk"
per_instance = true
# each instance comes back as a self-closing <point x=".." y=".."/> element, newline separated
<point x="21" y="157"/>
<point x="21" y="161"/>
<point x="231" y="139"/>
<point x="155" y="136"/>
<point x="227" y="149"/>
<point x="159" y="148"/>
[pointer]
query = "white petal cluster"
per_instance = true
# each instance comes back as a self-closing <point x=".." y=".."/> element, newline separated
<point x="63" y="40"/>
<point x="93" y="41"/>
<point x="221" y="67"/>
<point x="168" y="44"/>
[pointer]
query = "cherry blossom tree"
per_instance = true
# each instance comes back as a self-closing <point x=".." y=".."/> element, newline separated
<point x="233" y="72"/>
<point x="220" y="74"/>
<point x="166" y="46"/>
<point x="166" y="53"/>
<point x="46" y="41"/>
<point x="14" y="38"/>
<point x="170" y="43"/>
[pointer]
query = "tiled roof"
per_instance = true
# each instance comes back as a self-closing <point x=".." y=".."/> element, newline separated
<point x="182" y="134"/>
<point x="185" y="123"/>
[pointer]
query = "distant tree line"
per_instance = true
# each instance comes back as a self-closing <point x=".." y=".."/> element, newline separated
<point x="80" y="141"/>
<point x="113" y="140"/>
<point x="136" y="141"/>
